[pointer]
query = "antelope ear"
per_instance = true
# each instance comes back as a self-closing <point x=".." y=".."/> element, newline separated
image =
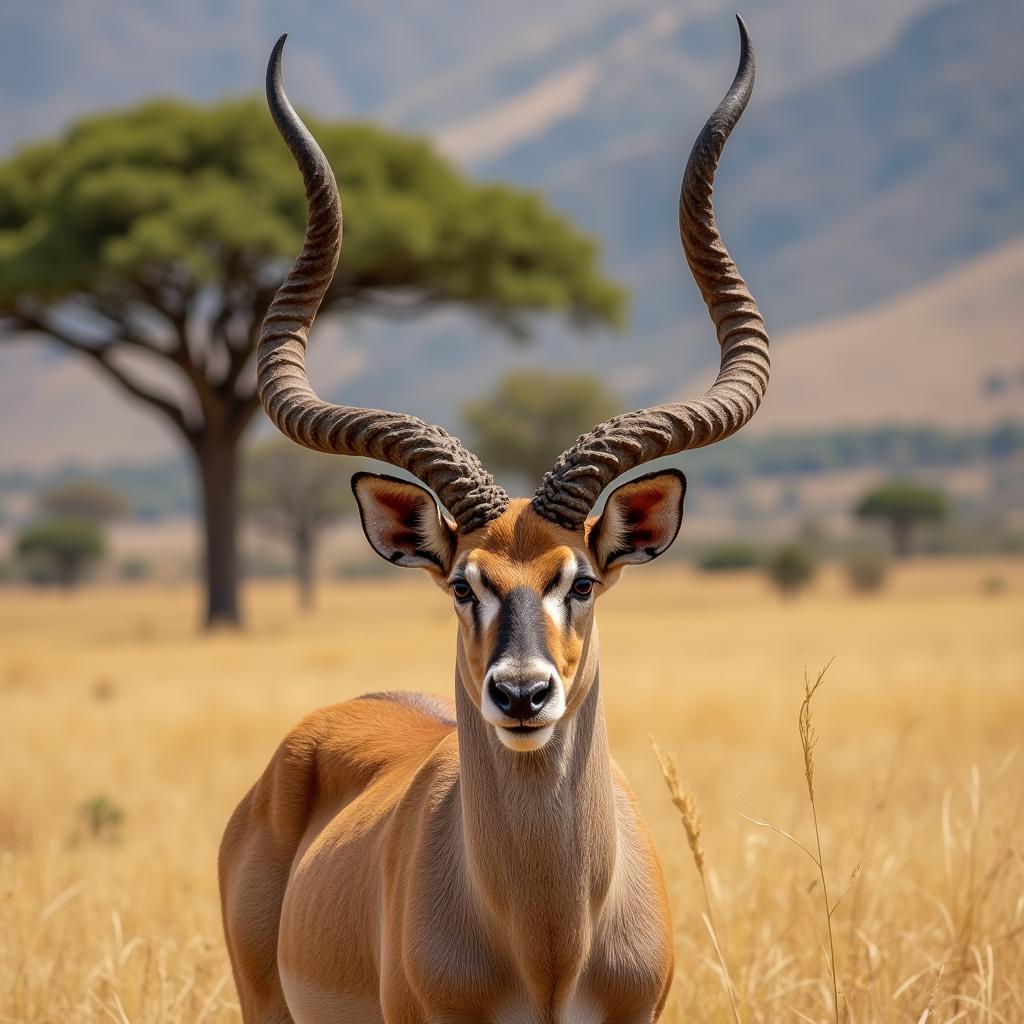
<point x="640" y="520"/>
<point x="404" y="523"/>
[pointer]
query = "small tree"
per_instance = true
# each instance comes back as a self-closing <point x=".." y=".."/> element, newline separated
<point x="866" y="571"/>
<point x="294" y="493"/>
<point x="903" y="505"/>
<point x="729" y="555"/>
<point x="85" y="499"/>
<point x="60" y="549"/>
<point x="533" y="416"/>
<point x="791" y="568"/>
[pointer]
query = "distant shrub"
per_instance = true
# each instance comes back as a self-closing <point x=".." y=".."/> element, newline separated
<point x="101" y="817"/>
<point x="132" y="570"/>
<point x="729" y="556"/>
<point x="993" y="586"/>
<point x="790" y="568"/>
<point x="85" y="499"/>
<point x="866" y="571"/>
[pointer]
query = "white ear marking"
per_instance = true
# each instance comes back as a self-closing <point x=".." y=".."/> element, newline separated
<point x="640" y="520"/>
<point x="403" y="522"/>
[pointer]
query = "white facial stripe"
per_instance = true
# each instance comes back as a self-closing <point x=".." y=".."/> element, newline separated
<point x="487" y="601"/>
<point x="555" y="602"/>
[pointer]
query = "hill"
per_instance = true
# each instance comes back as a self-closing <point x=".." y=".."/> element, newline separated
<point x="833" y="195"/>
<point x="950" y="353"/>
<point x="883" y="149"/>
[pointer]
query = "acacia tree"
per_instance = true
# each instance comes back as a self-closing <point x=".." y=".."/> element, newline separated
<point x="160" y="234"/>
<point x="85" y="499"/>
<point x="903" y="505"/>
<point x="532" y="416"/>
<point x="61" y="548"/>
<point x="293" y="493"/>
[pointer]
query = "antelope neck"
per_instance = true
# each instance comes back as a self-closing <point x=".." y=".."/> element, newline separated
<point x="540" y="835"/>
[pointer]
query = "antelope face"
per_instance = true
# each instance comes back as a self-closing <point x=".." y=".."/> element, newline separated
<point x="523" y="588"/>
<point x="523" y="577"/>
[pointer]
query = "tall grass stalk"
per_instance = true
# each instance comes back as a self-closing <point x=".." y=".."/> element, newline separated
<point x="686" y="803"/>
<point x="808" y="739"/>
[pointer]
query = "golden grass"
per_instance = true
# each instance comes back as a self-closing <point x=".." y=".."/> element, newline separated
<point x="112" y="693"/>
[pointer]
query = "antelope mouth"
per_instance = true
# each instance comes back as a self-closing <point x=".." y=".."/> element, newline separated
<point x="524" y="738"/>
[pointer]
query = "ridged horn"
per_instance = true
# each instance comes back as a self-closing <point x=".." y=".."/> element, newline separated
<point x="428" y="452"/>
<point x="581" y="473"/>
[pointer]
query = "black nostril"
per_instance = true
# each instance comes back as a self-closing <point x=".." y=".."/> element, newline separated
<point x="502" y="694"/>
<point x="539" y="693"/>
<point x="517" y="701"/>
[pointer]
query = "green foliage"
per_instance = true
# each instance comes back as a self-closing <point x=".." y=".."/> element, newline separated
<point x="293" y="493"/>
<point x="60" y="549"/>
<point x="866" y="571"/>
<point x="289" y="487"/>
<point x="85" y="499"/>
<point x="532" y="417"/>
<point x="728" y="556"/>
<point x="790" y="568"/>
<point x="902" y="505"/>
<point x="210" y="194"/>
<point x="134" y="570"/>
<point x="101" y="817"/>
<point x="903" y="499"/>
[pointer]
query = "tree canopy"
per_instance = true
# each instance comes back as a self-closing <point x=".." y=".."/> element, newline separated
<point x="533" y="416"/>
<point x="85" y="499"/>
<point x="902" y="505"/>
<point x="293" y="494"/>
<point x="158" y="202"/>
<point x="160" y="234"/>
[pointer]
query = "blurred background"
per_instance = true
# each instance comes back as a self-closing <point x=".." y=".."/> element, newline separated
<point x="512" y="271"/>
<point x="873" y="197"/>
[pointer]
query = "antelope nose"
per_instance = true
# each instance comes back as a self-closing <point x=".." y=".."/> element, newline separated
<point x="520" y="700"/>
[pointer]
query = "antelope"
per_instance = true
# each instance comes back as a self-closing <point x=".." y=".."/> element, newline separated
<point x="407" y="860"/>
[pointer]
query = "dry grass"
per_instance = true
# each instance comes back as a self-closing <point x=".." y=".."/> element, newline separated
<point x="112" y="694"/>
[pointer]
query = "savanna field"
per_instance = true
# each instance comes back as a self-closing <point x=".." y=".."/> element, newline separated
<point x="128" y="737"/>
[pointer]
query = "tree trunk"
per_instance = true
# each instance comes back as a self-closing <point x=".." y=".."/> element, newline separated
<point x="217" y="457"/>
<point x="304" y="565"/>
<point x="902" y="531"/>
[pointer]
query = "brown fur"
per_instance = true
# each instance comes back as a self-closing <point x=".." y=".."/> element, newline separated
<point x="391" y="866"/>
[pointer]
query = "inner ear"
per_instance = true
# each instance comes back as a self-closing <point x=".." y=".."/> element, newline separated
<point x="403" y="522"/>
<point x="640" y="520"/>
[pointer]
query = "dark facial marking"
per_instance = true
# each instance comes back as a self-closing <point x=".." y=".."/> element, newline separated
<point x="555" y="580"/>
<point x="521" y="631"/>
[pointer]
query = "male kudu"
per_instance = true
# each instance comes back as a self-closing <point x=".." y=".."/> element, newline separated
<point x="406" y="861"/>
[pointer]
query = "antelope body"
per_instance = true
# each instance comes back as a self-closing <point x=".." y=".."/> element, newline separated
<point x="404" y="860"/>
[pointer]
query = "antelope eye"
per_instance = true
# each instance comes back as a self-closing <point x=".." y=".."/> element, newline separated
<point x="462" y="590"/>
<point x="583" y="587"/>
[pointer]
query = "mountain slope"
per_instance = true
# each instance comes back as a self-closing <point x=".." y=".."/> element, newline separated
<point x="411" y="63"/>
<point x="949" y="354"/>
<point x="831" y="197"/>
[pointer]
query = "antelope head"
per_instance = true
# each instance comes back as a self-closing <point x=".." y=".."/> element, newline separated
<point x="523" y="574"/>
